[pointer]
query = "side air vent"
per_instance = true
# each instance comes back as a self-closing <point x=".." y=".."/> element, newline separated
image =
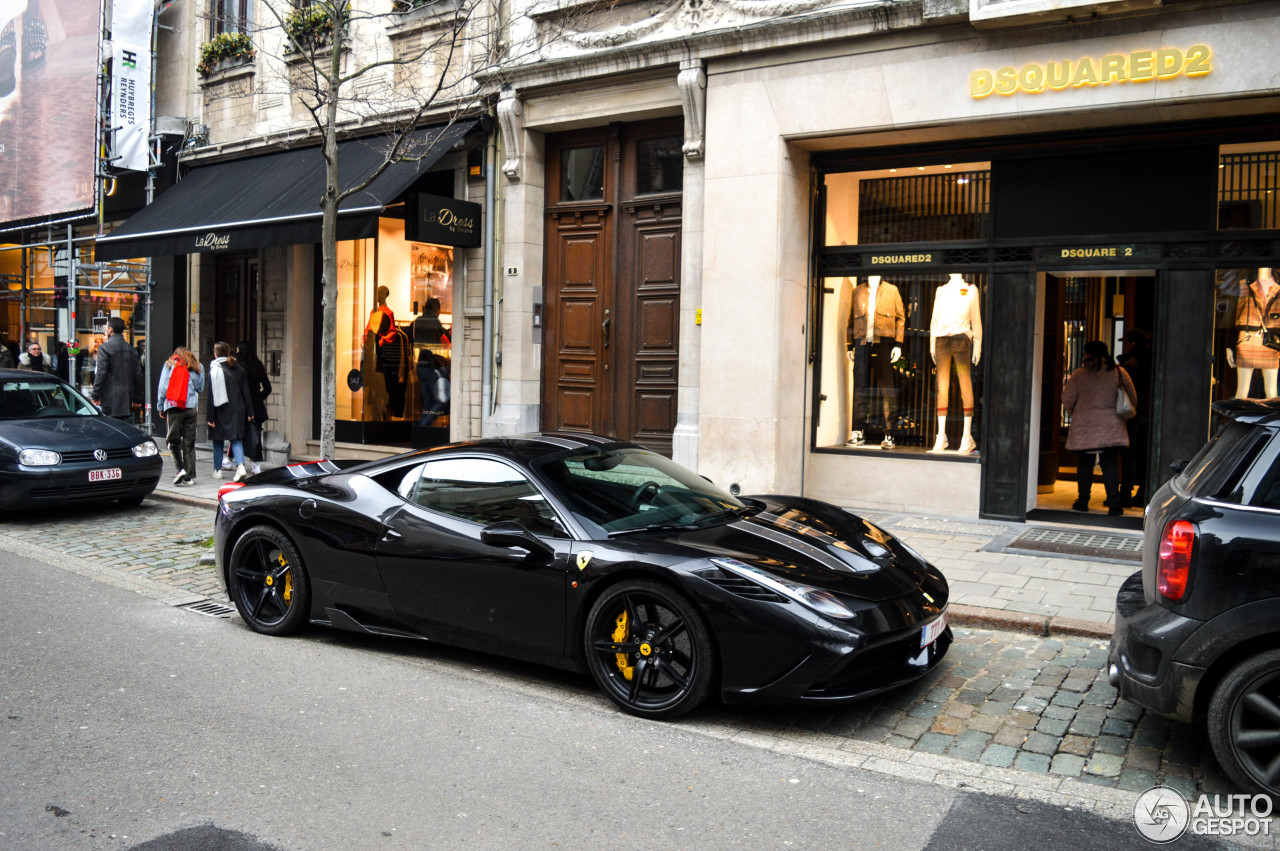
<point x="741" y="586"/>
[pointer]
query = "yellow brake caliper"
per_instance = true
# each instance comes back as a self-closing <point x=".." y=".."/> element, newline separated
<point x="288" y="579"/>
<point x="620" y="635"/>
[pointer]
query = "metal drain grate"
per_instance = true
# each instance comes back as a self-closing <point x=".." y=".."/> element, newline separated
<point x="210" y="608"/>
<point x="1091" y="544"/>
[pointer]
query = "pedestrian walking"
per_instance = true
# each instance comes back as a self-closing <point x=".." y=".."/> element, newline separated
<point x="33" y="359"/>
<point x="117" y="380"/>
<point x="181" y="382"/>
<point x="229" y="408"/>
<point x="6" y="358"/>
<point x="259" y="389"/>
<point x="1096" y="429"/>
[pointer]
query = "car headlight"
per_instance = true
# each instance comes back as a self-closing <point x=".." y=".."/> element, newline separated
<point x="822" y="602"/>
<point x="146" y="449"/>
<point x="39" y="458"/>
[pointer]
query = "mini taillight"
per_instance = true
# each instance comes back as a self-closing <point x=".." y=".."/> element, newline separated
<point x="228" y="488"/>
<point x="1173" y="569"/>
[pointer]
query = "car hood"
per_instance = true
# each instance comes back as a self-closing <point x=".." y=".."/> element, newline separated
<point x="814" y="543"/>
<point x="62" y="434"/>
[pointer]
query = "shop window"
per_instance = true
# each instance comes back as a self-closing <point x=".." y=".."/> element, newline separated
<point x="395" y="331"/>
<point x="1247" y="315"/>
<point x="1249" y="187"/>
<point x="901" y="362"/>
<point x="582" y="174"/>
<point x="937" y="203"/>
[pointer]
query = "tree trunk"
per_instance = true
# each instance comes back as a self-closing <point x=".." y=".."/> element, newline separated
<point x="329" y="246"/>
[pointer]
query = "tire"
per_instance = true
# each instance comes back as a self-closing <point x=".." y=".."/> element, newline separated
<point x="133" y="501"/>
<point x="661" y="670"/>
<point x="268" y="582"/>
<point x="1244" y="723"/>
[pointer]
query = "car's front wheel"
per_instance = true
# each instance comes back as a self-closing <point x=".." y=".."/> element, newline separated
<point x="1244" y="723"/>
<point x="649" y="649"/>
<point x="268" y="582"/>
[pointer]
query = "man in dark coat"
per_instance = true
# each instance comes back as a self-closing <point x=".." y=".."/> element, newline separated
<point x="117" y="383"/>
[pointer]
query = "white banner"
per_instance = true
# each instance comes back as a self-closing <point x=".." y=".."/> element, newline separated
<point x="131" y="84"/>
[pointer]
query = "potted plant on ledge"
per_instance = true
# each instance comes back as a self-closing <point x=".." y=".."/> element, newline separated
<point x="223" y="50"/>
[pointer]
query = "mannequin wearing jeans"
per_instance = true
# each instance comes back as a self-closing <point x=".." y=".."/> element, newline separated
<point x="955" y="336"/>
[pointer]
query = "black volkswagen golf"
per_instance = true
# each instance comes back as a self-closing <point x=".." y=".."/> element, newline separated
<point x="56" y="447"/>
<point x="1197" y="634"/>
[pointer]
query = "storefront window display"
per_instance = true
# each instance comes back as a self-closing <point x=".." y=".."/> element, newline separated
<point x="1247" y="317"/>
<point x="901" y="351"/>
<point x="395" y="321"/>
<point x="901" y="362"/>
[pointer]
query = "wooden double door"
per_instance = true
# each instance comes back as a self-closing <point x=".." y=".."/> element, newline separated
<point x="611" y="347"/>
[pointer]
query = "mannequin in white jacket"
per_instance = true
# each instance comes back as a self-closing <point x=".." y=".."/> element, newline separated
<point x="955" y="337"/>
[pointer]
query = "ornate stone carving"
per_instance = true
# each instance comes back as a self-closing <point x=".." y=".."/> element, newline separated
<point x="692" y="81"/>
<point x="511" y="120"/>
<point x="660" y="19"/>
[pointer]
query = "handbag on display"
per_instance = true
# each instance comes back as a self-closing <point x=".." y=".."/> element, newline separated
<point x="1269" y="337"/>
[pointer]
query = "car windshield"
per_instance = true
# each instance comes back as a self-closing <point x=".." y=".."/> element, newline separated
<point x="40" y="397"/>
<point x="633" y="489"/>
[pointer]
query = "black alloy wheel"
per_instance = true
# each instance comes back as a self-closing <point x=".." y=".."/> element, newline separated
<point x="268" y="582"/>
<point x="1244" y="723"/>
<point x="649" y="649"/>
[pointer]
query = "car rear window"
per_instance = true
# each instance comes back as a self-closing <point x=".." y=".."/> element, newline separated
<point x="1219" y="462"/>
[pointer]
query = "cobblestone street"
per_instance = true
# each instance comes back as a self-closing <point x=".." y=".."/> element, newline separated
<point x="1001" y="699"/>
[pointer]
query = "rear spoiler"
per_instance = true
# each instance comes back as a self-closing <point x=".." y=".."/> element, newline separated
<point x="300" y="470"/>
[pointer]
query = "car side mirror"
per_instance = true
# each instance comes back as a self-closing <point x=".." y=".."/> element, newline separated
<point x="509" y="533"/>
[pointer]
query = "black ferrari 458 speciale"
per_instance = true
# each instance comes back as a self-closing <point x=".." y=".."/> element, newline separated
<point x="587" y="554"/>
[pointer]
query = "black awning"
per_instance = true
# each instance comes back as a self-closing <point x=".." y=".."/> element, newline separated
<point x="274" y="199"/>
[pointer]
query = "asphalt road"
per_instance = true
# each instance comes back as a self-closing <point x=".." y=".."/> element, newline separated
<point x="130" y="724"/>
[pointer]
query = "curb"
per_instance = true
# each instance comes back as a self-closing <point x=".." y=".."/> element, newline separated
<point x="1041" y="625"/>
<point x="196" y="501"/>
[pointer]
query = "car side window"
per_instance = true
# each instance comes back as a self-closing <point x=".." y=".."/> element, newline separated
<point x="484" y="491"/>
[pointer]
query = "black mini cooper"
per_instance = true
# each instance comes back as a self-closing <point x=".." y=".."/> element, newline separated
<point x="1197" y="634"/>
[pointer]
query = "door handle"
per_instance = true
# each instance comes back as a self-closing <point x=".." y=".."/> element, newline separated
<point x="392" y="535"/>
<point x="605" y="326"/>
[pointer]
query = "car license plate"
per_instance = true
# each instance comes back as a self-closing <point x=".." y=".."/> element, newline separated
<point x="931" y="631"/>
<point x="107" y="475"/>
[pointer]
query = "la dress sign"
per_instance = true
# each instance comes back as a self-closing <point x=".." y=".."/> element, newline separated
<point x="443" y="221"/>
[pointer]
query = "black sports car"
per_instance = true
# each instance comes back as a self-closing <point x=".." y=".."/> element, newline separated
<point x="56" y="447"/>
<point x="583" y="553"/>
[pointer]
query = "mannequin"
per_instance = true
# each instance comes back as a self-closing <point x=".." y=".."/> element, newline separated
<point x="955" y="337"/>
<point x="1257" y="306"/>
<point x="388" y="350"/>
<point x="873" y="339"/>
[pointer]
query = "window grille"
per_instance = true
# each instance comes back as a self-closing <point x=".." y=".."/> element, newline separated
<point x="925" y="208"/>
<point x="1249" y="191"/>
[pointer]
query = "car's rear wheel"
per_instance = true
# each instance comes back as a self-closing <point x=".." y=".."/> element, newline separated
<point x="649" y="649"/>
<point x="1244" y="723"/>
<point x="268" y="582"/>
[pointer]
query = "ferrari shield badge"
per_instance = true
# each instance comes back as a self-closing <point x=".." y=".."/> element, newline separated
<point x="584" y="559"/>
